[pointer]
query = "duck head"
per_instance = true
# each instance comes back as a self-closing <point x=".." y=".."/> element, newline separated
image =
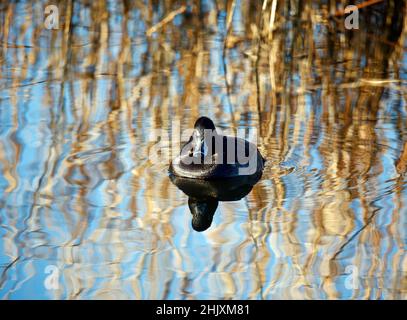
<point x="204" y="129"/>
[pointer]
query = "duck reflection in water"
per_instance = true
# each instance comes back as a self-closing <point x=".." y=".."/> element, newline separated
<point x="204" y="195"/>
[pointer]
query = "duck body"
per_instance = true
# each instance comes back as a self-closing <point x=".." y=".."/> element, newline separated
<point x="231" y="189"/>
<point x="208" y="155"/>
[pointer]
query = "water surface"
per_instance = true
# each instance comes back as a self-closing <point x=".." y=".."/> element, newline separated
<point x="81" y="199"/>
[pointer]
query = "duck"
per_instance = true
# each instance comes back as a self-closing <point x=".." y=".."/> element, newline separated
<point x="209" y="155"/>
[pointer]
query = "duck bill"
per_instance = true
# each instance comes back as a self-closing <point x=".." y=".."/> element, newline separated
<point x="200" y="148"/>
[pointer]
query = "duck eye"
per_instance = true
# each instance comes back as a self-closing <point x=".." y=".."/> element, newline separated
<point x="191" y="152"/>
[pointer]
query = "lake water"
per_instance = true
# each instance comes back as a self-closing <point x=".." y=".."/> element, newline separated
<point x="86" y="213"/>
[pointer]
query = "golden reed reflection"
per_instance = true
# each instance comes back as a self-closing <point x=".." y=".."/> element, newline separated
<point x="77" y="108"/>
